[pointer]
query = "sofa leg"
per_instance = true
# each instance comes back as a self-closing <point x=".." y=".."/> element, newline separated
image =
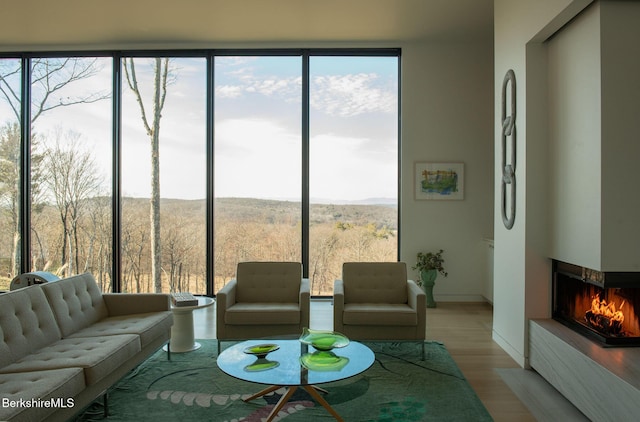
<point x="218" y="347"/>
<point x="105" y="403"/>
<point x="169" y="350"/>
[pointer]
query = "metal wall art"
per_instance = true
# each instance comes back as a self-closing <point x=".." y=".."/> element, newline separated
<point x="509" y="132"/>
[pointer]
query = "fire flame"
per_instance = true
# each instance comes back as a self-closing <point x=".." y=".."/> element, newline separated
<point x="601" y="307"/>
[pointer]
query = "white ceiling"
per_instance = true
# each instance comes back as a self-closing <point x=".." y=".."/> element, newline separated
<point x="60" y="24"/>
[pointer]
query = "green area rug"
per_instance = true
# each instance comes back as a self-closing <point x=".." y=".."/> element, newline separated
<point x="398" y="387"/>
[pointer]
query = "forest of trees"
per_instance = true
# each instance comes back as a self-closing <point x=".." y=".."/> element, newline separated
<point x="162" y="241"/>
<point x="246" y="229"/>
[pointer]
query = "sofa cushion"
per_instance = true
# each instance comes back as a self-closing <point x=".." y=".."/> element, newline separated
<point x="268" y="282"/>
<point x="76" y="302"/>
<point x="379" y="314"/>
<point x="148" y="326"/>
<point x="375" y="282"/>
<point x="262" y="314"/>
<point x="57" y="384"/>
<point x="26" y="323"/>
<point x="98" y="356"/>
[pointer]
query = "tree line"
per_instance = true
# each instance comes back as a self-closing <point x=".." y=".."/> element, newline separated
<point x="162" y="241"/>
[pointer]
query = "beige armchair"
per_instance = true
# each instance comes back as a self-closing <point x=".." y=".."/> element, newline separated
<point x="376" y="301"/>
<point x="265" y="299"/>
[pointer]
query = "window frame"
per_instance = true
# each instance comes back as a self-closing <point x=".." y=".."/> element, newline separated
<point x="209" y="55"/>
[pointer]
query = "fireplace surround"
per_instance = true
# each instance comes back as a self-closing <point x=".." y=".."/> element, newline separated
<point x="602" y="306"/>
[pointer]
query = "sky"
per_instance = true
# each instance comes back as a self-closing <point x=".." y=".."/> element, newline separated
<point x="257" y="128"/>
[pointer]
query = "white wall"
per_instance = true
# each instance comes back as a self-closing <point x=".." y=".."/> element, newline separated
<point x="575" y="141"/>
<point x="621" y="126"/>
<point x="521" y="264"/>
<point x="594" y="101"/>
<point x="447" y="115"/>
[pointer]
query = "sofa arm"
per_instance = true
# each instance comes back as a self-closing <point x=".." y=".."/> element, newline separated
<point x="136" y="303"/>
<point x="338" y="305"/>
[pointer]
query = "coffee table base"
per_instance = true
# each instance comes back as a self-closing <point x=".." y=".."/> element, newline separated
<point x="311" y="389"/>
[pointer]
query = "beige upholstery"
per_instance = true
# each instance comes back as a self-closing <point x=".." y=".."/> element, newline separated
<point x="265" y="299"/>
<point x="65" y="339"/>
<point x="376" y="301"/>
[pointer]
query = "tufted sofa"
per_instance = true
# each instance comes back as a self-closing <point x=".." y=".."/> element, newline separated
<point x="62" y="344"/>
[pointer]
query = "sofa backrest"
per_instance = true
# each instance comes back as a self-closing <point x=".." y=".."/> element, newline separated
<point x="268" y="282"/>
<point x="375" y="282"/>
<point x="76" y="302"/>
<point x="26" y="323"/>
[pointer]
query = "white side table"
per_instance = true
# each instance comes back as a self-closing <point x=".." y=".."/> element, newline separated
<point x="182" y="334"/>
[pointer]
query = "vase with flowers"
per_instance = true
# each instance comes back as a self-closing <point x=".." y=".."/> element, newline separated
<point x="429" y="264"/>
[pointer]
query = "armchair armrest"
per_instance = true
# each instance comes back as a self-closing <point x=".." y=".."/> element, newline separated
<point x="338" y="305"/>
<point x="417" y="297"/>
<point x="225" y="298"/>
<point x="418" y="301"/>
<point x="136" y="303"/>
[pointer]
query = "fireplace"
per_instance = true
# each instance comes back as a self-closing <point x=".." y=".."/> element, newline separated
<point x="599" y="305"/>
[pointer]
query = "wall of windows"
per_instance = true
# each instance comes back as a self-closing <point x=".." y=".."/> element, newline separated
<point x="160" y="172"/>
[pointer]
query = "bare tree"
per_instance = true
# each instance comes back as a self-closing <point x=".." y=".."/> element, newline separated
<point x="49" y="79"/>
<point x="152" y="127"/>
<point x="134" y="239"/>
<point x="72" y="180"/>
<point x="9" y="186"/>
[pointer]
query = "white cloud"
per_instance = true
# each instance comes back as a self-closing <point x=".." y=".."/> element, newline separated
<point x="340" y="170"/>
<point x="257" y="158"/>
<point x="273" y="86"/>
<point x="351" y="95"/>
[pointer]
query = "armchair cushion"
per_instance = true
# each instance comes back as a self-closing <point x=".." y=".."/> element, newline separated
<point x="268" y="282"/>
<point x="263" y="314"/>
<point x="379" y="314"/>
<point x="375" y="282"/>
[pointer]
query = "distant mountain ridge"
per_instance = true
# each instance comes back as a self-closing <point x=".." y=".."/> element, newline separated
<point x="380" y="211"/>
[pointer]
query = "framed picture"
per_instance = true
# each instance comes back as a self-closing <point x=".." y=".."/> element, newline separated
<point x="439" y="181"/>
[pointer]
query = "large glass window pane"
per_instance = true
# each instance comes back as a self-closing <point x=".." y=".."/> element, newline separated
<point x="163" y="232"/>
<point x="10" y="102"/>
<point x="353" y="164"/>
<point x="258" y="151"/>
<point x="71" y="159"/>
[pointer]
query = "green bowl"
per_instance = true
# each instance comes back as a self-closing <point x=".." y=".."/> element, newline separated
<point x="322" y="361"/>
<point x="261" y="364"/>
<point x="261" y="350"/>
<point x="323" y="340"/>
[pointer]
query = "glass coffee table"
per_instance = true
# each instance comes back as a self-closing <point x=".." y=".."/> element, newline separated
<point x="292" y="364"/>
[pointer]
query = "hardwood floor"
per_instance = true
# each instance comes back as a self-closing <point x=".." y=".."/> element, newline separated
<point x="465" y="330"/>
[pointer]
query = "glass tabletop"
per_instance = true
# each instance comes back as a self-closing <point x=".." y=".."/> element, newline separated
<point x="293" y="363"/>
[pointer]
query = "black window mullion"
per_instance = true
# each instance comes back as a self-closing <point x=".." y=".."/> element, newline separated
<point x="305" y="165"/>
<point x="116" y="180"/>
<point x="210" y="184"/>
<point x="25" y="167"/>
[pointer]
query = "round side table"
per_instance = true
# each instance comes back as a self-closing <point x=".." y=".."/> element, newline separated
<point x="182" y="334"/>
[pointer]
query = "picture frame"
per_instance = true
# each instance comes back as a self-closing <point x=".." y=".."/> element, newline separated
<point x="438" y="181"/>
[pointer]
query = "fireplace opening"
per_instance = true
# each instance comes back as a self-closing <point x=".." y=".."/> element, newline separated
<point x="585" y="303"/>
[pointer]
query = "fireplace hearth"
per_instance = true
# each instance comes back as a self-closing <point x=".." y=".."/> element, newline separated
<point x="600" y="306"/>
